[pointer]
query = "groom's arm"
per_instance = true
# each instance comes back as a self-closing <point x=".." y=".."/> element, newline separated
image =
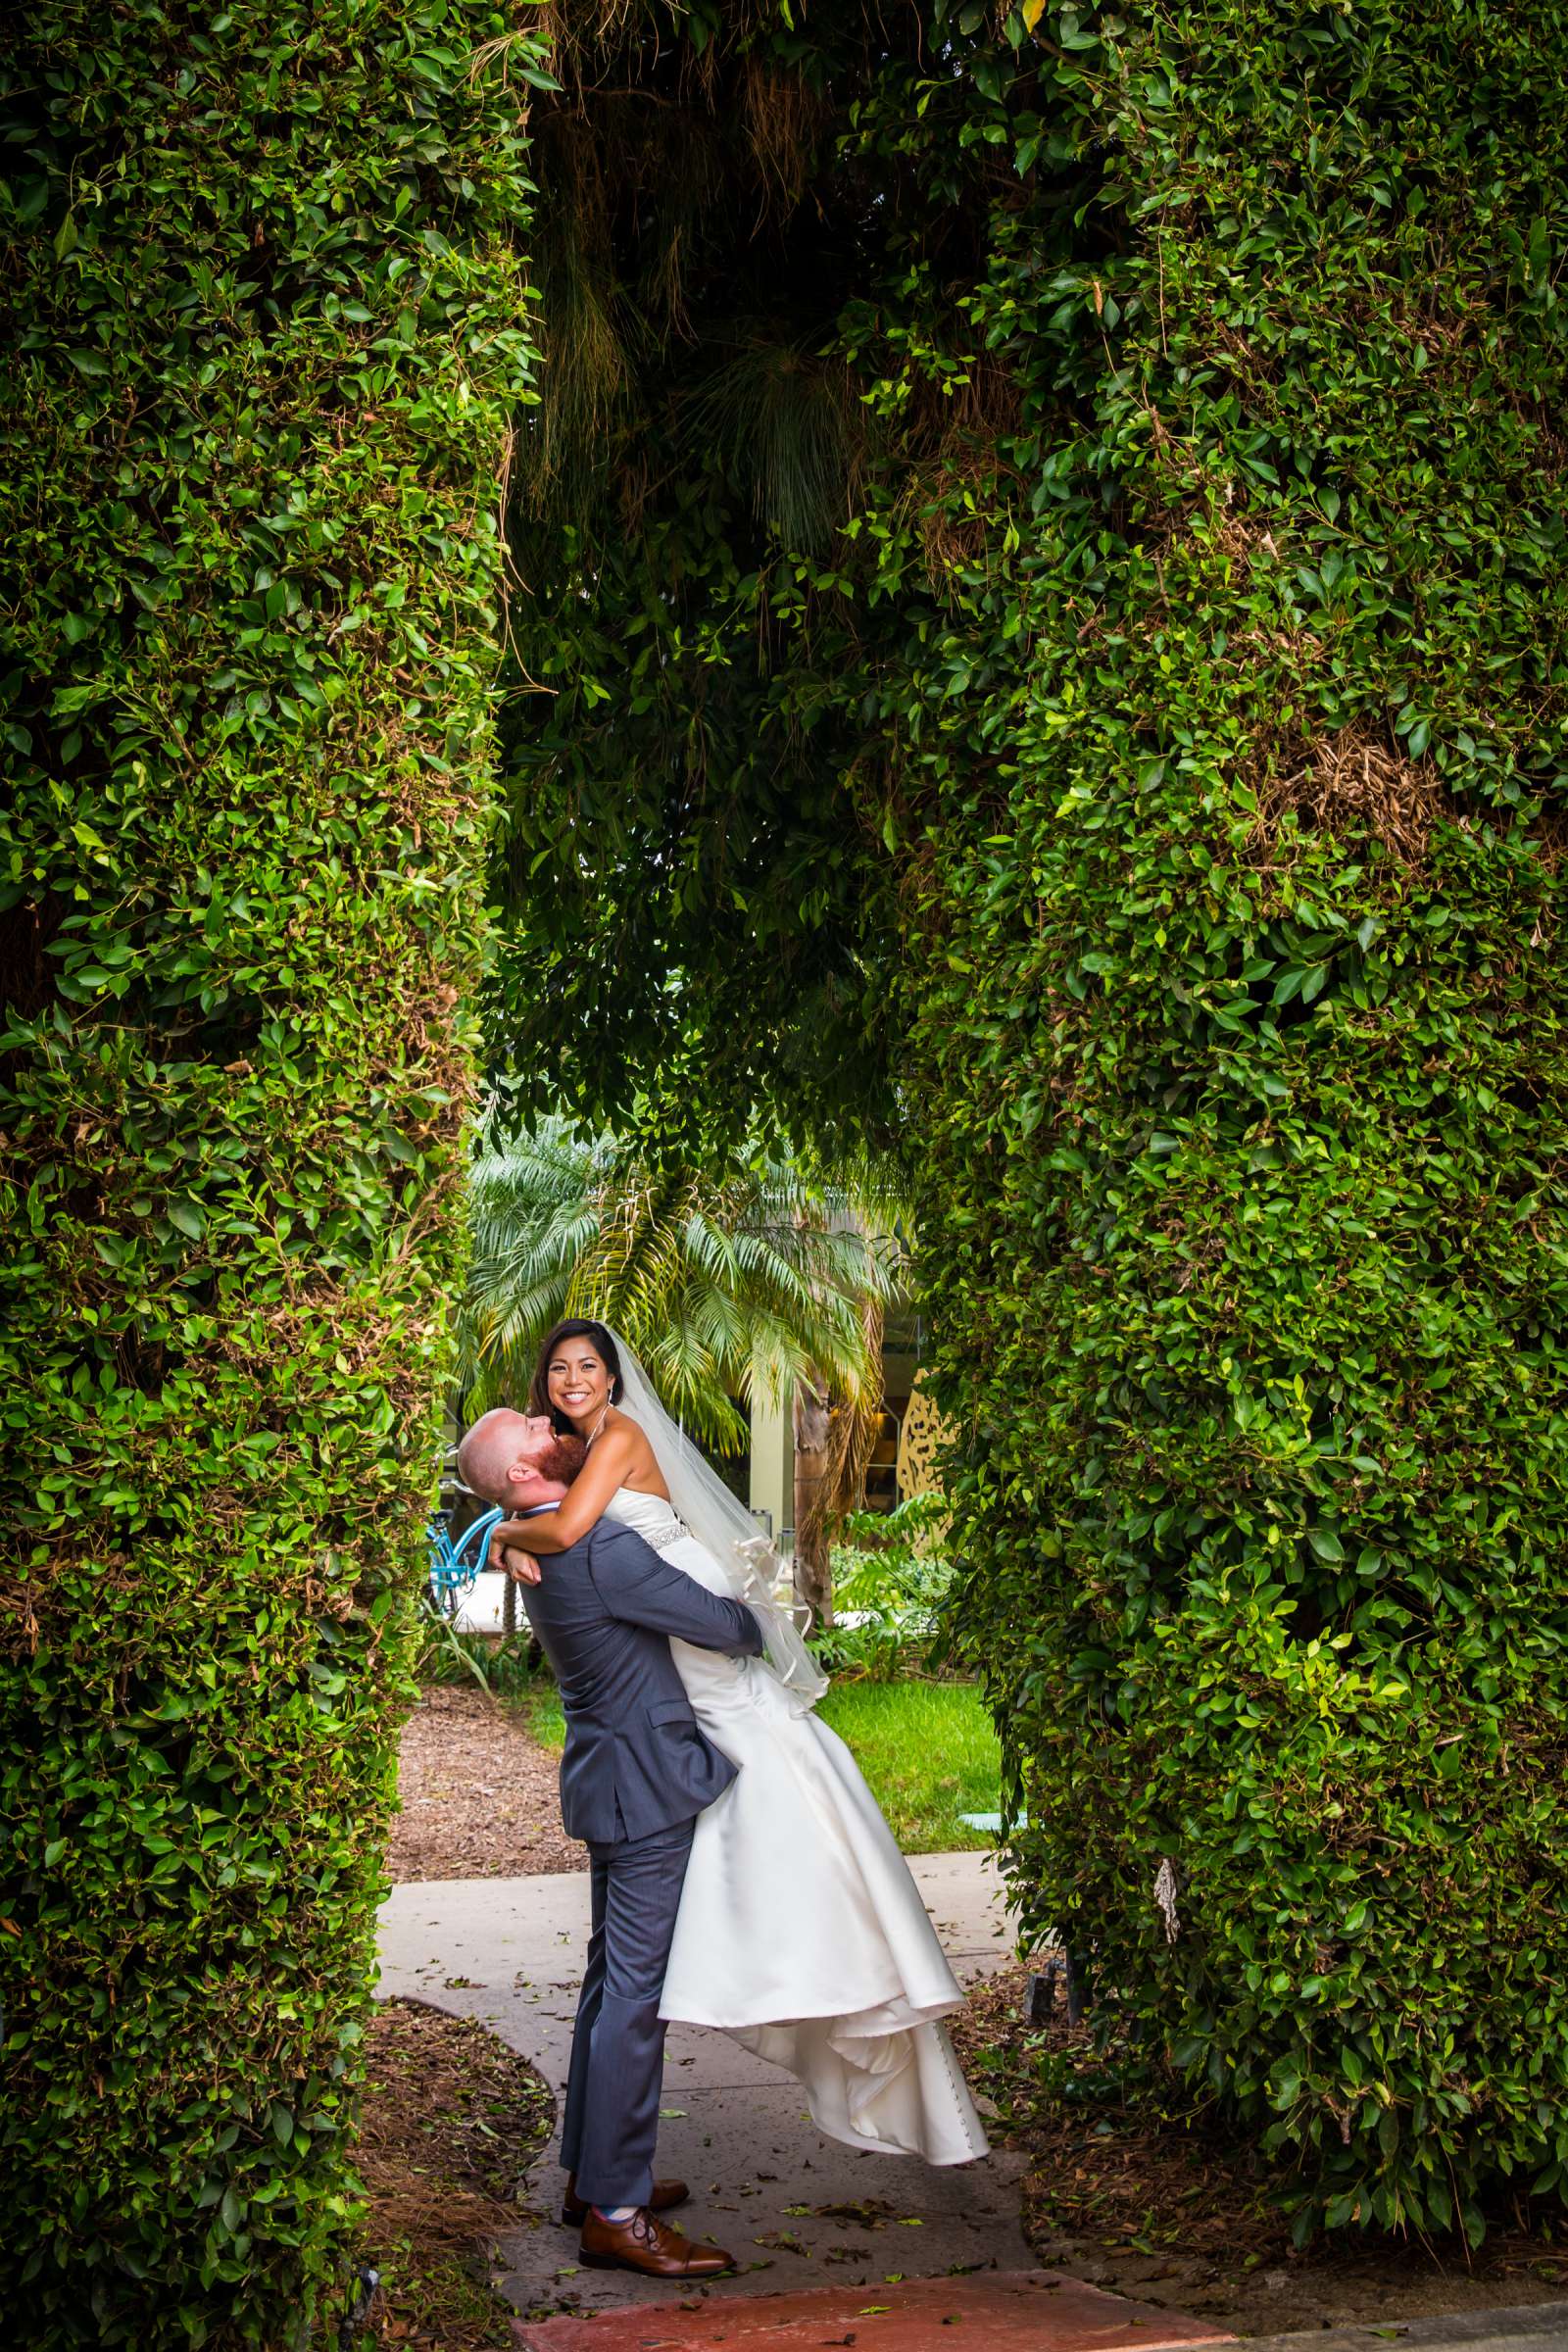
<point x="642" y="1589"/>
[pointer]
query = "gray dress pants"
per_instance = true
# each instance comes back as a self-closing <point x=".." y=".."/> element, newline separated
<point x="617" y="2046"/>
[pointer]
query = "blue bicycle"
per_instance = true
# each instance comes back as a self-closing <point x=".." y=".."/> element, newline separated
<point x="455" y="1563"/>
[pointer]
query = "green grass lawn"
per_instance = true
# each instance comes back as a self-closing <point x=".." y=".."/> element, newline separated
<point x="927" y="1750"/>
<point x="539" y="1705"/>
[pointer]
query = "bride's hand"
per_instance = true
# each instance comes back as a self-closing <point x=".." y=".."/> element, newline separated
<point x="521" y="1566"/>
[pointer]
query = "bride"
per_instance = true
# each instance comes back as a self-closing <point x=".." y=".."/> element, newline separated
<point x="801" y="1932"/>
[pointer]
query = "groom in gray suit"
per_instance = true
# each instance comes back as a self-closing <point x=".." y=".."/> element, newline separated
<point x="636" y="1773"/>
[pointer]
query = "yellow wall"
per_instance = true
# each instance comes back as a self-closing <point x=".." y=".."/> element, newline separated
<point x="773" y="1458"/>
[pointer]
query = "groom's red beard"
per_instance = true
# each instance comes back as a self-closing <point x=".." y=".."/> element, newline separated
<point x="560" y="1459"/>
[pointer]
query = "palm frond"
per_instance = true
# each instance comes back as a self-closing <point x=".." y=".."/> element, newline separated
<point x="787" y="424"/>
<point x="726" y="1284"/>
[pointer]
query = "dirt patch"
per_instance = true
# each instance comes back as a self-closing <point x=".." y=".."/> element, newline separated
<point x="452" y="2121"/>
<point x="1181" y="2217"/>
<point x="480" y="1796"/>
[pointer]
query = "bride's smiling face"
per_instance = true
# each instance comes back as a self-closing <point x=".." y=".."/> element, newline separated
<point x="578" y="1382"/>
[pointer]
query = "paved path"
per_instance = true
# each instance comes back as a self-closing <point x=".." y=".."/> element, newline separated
<point x="480" y="1605"/>
<point x="837" y="2248"/>
<point x="1004" y="2311"/>
<point x="795" y="2208"/>
<point x="1524" y="2327"/>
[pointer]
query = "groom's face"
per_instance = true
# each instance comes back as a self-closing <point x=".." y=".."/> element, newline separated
<point x="536" y="1437"/>
<point x="544" y="1455"/>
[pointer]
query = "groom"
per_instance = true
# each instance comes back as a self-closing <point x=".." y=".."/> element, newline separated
<point x="634" y="1777"/>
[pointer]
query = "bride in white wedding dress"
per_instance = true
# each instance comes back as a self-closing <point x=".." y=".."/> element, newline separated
<point x="801" y="1933"/>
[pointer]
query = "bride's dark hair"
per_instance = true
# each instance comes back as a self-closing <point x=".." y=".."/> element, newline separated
<point x="575" y="1327"/>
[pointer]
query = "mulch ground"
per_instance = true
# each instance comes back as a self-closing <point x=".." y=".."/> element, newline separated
<point x="480" y="1797"/>
<point x="452" y="2121"/>
<point x="1176" y="2216"/>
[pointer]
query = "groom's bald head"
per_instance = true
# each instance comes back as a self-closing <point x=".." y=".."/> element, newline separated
<point x="505" y="1449"/>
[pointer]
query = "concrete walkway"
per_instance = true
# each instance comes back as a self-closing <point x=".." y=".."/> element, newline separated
<point x="1524" y="2327"/>
<point x="797" y="2210"/>
<point x="835" y="2247"/>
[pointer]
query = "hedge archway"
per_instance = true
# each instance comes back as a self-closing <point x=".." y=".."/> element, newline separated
<point x="1065" y="601"/>
<point x="1039" y="620"/>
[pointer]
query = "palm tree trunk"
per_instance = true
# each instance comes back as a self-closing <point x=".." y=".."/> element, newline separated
<point x="813" y="1476"/>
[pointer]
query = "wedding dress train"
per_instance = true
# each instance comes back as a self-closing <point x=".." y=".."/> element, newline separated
<point x="801" y="1932"/>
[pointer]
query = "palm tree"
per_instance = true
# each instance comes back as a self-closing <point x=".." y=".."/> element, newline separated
<point x="759" y="1274"/>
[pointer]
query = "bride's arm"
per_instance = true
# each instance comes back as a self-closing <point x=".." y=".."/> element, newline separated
<point x="606" y="1468"/>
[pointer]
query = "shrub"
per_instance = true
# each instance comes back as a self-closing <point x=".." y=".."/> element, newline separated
<point x="263" y="319"/>
<point x="1238" y="1017"/>
<point x="890" y="1582"/>
<point x="504" y="1666"/>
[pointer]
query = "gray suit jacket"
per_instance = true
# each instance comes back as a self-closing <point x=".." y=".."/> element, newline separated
<point x="635" y="1761"/>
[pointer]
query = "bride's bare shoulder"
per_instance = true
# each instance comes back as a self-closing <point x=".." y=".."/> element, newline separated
<point x="641" y="1470"/>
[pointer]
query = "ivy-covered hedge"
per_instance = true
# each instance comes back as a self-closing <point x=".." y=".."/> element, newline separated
<point x="263" y="317"/>
<point x="1124" y="451"/>
<point x="1239" y="1013"/>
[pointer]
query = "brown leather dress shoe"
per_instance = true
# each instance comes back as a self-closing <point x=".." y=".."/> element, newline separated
<point x="647" y="2244"/>
<point x="666" y="2195"/>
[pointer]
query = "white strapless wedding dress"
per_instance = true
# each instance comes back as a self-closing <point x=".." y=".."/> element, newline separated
<point x="800" y="1931"/>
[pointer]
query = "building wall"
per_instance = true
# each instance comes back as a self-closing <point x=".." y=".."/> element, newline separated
<point x="772" y="1480"/>
<point x="772" y="1464"/>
